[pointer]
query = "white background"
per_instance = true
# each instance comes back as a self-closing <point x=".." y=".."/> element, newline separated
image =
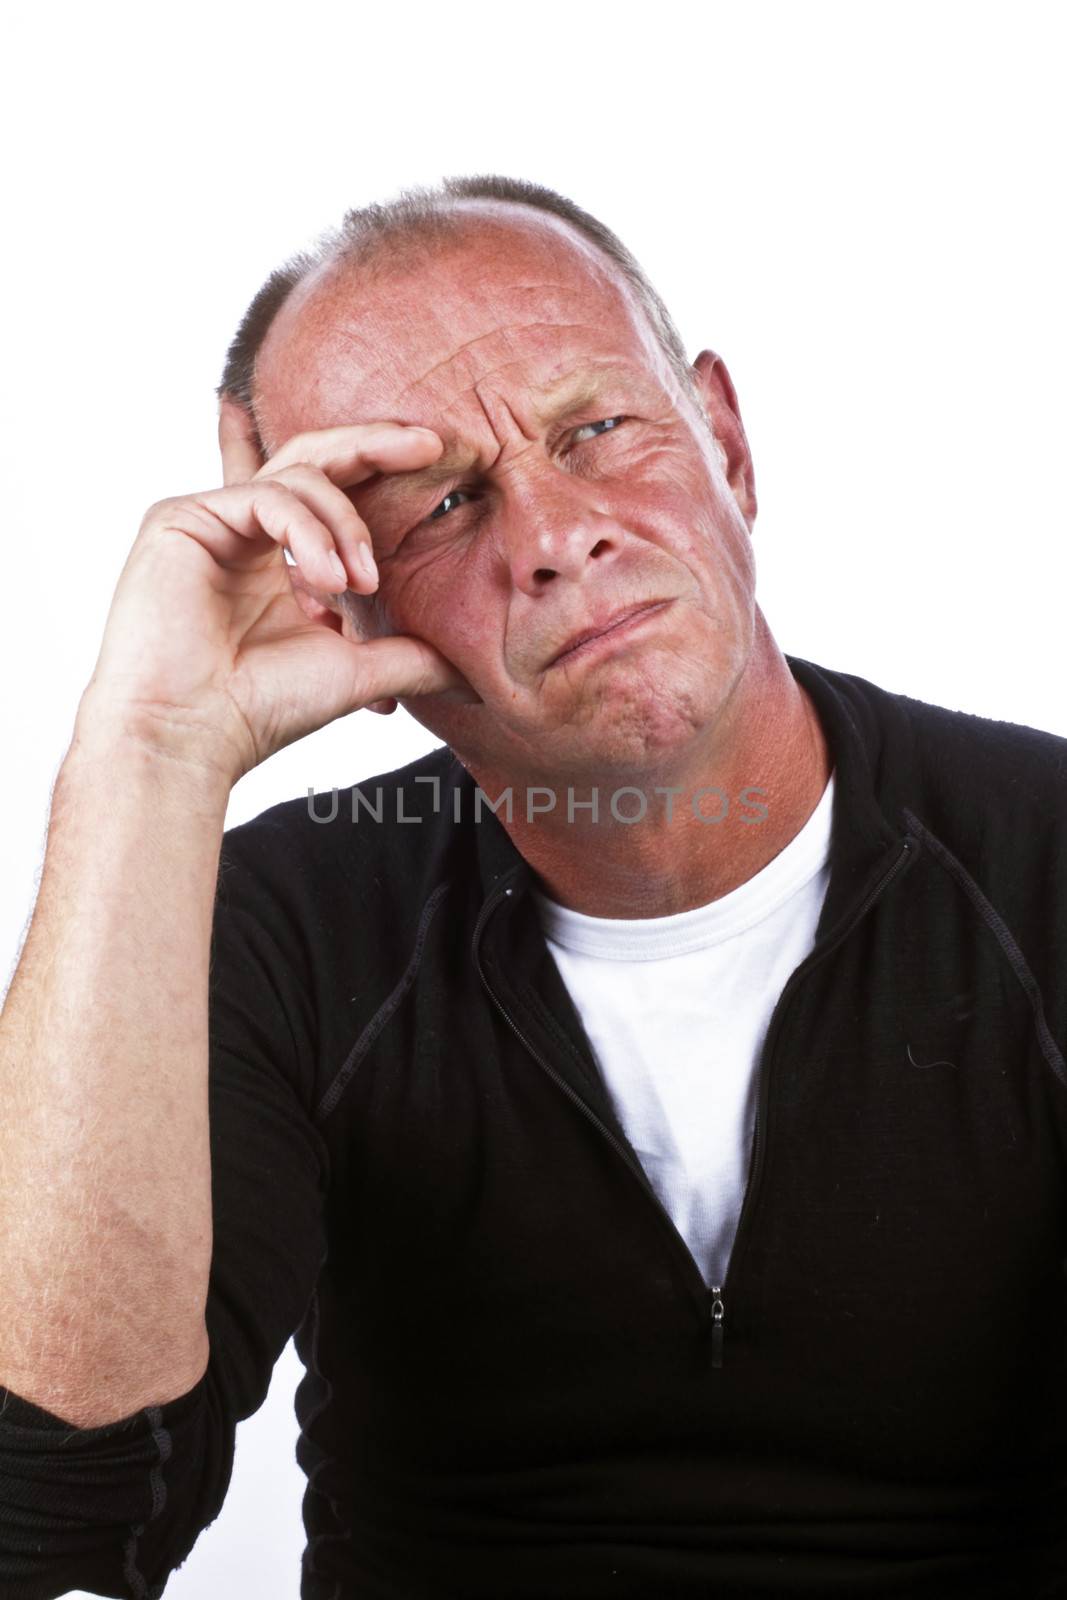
<point x="858" y="206"/>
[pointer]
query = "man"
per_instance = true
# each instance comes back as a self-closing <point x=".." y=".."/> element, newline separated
<point x="648" y="1110"/>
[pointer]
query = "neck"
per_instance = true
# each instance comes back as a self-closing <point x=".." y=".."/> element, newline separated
<point x="767" y="737"/>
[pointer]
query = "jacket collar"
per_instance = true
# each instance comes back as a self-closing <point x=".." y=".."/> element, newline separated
<point x="870" y="745"/>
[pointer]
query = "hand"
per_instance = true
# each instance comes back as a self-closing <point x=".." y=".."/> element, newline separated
<point x="216" y="650"/>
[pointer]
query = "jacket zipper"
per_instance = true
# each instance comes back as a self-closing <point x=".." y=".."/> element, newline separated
<point x="712" y="1299"/>
<point x="755" y="1164"/>
<point x="718" y="1313"/>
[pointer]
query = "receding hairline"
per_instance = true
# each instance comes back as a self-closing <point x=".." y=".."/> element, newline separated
<point x="455" y="225"/>
<point x="406" y="230"/>
<point x="470" y="222"/>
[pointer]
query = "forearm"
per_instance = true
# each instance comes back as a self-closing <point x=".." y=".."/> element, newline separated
<point x="105" y="1173"/>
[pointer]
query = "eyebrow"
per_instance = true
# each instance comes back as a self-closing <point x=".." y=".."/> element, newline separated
<point x="578" y="390"/>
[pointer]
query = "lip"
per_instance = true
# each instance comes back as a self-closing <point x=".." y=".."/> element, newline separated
<point x="610" y="625"/>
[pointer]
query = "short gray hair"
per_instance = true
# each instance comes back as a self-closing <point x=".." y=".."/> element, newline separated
<point x="384" y="235"/>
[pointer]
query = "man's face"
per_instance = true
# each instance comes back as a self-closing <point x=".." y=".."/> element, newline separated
<point x="577" y="481"/>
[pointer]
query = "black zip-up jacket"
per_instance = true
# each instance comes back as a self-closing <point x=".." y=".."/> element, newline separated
<point x="517" y="1382"/>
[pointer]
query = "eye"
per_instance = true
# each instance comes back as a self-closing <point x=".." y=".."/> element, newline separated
<point x="608" y="422"/>
<point x="444" y="508"/>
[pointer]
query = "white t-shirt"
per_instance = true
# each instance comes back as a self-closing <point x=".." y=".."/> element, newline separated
<point x="677" y="1008"/>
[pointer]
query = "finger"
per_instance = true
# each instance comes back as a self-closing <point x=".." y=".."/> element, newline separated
<point x="351" y="536"/>
<point x="353" y="453"/>
<point x="403" y="665"/>
<point x="224" y="521"/>
<point x="439" y="676"/>
<point x="312" y="607"/>
<point x="238" y="442"/>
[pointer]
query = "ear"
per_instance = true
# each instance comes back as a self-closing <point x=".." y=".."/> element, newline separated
<point x="239" y="441"/>
<point x="720" y="403"/>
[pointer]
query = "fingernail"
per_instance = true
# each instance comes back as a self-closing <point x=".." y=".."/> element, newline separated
<point x="337" y="568"/>
<point x="366" y="561"/>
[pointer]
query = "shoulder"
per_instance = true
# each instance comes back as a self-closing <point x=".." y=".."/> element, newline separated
<point x="386" y="829"/>
<point x="953" y="761"/>
<point x="997" y="779"/>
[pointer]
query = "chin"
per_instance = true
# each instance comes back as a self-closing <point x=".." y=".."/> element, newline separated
<point x="641" y="715"/>
<point x="615" y="738"/>
<point x="638" y="735"/>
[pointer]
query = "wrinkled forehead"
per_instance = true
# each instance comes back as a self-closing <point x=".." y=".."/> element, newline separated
<point x="509" y="304"/>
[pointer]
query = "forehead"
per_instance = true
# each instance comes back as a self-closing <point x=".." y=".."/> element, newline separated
<point x="526" y="307"/>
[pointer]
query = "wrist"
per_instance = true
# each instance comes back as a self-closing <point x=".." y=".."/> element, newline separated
<point x="171" y="745"/>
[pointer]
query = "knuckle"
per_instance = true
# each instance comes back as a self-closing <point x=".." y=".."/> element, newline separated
<point x="159" y="510"/>
<point x="316" y="489"/>
<point x="299" y="453"/>
<point x="272" y="488"/>
<point x="174" y="511"/>
<point x="297" y="472"/>
<point x="278" y="499"/>
<point x="303" y="487"/>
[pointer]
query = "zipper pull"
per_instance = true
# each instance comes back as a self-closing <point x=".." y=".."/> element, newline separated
<point x="717" y="1314"/>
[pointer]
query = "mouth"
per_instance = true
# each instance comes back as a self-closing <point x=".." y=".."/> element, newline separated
<point x="588" y="639"/>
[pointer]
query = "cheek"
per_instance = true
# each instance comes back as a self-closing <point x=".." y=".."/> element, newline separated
<point x="691" y="508"/>
<point x="440" y="598"/>
<point x="668" y="477"/>
<point x="673" y="510"/>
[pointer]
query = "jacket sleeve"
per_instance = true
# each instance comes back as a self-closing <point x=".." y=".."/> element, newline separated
<point x="113" y="1510"/>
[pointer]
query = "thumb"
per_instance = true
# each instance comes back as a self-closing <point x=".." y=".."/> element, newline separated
<point x="403" y="666"/>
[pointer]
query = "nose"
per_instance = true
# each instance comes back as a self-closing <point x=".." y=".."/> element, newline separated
<point x="554" y="528"/>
